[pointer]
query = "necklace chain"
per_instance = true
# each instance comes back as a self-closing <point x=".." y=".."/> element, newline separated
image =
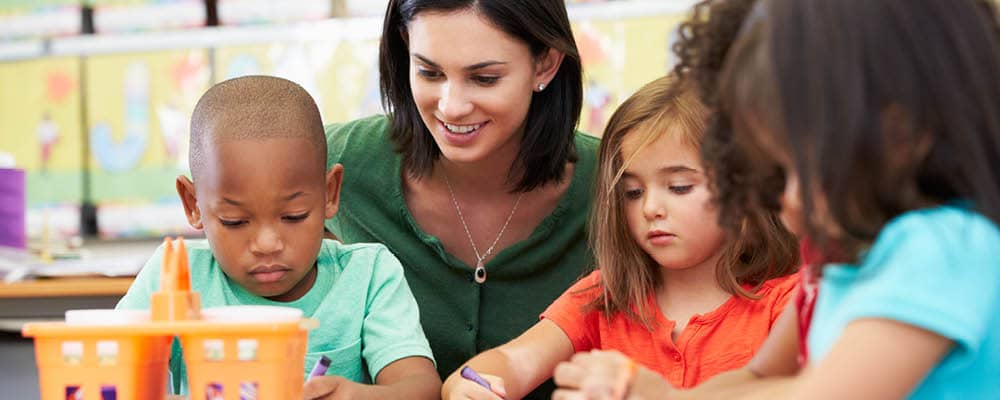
<point x="489" y="250"/>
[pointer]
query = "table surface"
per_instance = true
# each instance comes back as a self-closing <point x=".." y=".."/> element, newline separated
<point x="66" y="287"/>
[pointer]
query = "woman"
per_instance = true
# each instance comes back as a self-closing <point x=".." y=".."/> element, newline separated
<point x="476" y="179"/>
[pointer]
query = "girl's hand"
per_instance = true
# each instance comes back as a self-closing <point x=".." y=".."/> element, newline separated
<point x="334" y="388"/>
<point x="464" y="389"/>
<point x="607" y="375"/>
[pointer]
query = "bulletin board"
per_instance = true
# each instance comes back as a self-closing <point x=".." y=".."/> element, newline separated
<point x="40" y="110"/>
<point x="138" y="110"/>
<point x="619" y="57"/>
<point x="340" y="75"/>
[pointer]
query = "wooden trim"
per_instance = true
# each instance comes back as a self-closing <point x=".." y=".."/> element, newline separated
<point x="66" y="287"/>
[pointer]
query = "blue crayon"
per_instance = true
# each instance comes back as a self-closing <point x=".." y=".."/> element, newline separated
<point x="320" y="368"/>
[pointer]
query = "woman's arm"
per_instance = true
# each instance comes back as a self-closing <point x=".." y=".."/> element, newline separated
<point x="516" y="368"/>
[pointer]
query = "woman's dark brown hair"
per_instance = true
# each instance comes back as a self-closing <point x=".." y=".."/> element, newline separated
<point x="549" y="128"/>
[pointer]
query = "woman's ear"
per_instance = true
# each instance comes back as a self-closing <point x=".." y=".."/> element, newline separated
<point x="546" y="67"/>
<point x="185" y="189"/>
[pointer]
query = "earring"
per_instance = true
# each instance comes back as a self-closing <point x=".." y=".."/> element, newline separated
<point x="541" y="87"/>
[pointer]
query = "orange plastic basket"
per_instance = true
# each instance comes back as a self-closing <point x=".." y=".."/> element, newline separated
<point x="128" y="360"/>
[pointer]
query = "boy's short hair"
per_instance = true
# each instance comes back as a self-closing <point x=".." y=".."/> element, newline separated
<point x="254" y="107"/>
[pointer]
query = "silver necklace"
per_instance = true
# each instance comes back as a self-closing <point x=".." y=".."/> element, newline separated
<point x="480" y="273"/>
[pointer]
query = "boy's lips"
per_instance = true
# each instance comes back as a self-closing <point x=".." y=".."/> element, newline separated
<point x="269" y="273"/>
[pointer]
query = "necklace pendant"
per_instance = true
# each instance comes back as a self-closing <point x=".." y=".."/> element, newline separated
<point x="480" y="273"/>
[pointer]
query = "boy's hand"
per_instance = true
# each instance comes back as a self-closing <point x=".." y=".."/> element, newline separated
<point x="335" y="388"/>
<point x="466" y="389"/>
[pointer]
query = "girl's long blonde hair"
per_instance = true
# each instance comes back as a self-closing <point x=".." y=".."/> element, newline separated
<point x="761" y="250"/>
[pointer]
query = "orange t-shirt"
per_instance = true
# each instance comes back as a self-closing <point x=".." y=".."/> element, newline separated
<point x="718" y="341"/>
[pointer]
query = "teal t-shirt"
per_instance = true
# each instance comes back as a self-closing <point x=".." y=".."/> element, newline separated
<point x="937" y="269"/>
<point x="460" y="317"/>
<point x="367" y="315"/>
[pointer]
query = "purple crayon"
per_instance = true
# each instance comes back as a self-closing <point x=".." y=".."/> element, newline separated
<point x="320" y="368"/>
<point x="470" y="374"/>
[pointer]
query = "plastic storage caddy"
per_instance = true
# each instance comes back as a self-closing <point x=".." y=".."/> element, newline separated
<point x="231" y="353"/>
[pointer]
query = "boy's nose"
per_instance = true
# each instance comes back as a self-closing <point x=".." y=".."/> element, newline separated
<point x="267" y="241"/>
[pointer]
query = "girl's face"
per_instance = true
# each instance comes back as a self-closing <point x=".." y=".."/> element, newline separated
<point x="472" y="84"/>
<point x="792" y="214"/>
<point x="667" y="202"/>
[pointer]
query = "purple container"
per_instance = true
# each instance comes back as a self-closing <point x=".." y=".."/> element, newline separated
<point x="13" y="204"/>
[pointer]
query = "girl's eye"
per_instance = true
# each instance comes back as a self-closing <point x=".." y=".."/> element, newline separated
<point x="486" y="80"/>
<point x="232" y="223"/>
<point x="429" y="74"/>
<point x="633" y="194"/>
<point x="681" y="189"/>
<point x="296" y="218"/>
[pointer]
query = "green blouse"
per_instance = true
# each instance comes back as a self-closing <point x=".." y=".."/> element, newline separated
<point x="460" y="317"/>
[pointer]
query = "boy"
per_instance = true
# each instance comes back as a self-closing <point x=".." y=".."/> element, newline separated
<point x="259" y="191"/>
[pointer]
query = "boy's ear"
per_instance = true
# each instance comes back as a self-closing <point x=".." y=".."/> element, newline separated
<point x="334" y="177"/>
<point x="546" y="67"/>
<point x="185" y="189"/>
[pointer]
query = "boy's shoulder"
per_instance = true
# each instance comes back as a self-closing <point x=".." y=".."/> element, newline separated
<point x="373" y="257"/>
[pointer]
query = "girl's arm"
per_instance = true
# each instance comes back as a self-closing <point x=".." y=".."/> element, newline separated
<point x="516" y="368"/>
<point x="874" y="358"/>
<point x="406" y="378"/>
<point x="598" y="372"/>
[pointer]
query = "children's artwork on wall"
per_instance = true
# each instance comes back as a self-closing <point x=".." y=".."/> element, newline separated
<point x="40" y="107"/>
<point x="619" y="56"/>
<point x="138" y="110"/>
<point x="340" y="74"/>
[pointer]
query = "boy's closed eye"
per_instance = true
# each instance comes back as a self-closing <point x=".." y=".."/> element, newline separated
<point x="295" y="217"/>
<point x="232" y="223"/>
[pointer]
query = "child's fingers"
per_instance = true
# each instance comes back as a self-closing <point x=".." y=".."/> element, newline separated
<point x="496" y="384"/>
<point x="569" y="375"/>
<point x="470" y="390"/>
<point x="320" y="386"/>
<point x="566" y="394"/>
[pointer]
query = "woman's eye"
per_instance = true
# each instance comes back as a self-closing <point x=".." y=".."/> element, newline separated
<point x="429" y="74"/>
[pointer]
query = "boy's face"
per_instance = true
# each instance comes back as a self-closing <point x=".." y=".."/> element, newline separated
<point x="262" y="204"/>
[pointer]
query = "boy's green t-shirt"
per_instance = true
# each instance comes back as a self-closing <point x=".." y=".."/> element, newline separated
<point x="367" y="315"/>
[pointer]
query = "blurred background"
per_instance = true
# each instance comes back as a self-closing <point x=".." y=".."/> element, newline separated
<point x="96" y="95"/>
<point x="95" y="102"/>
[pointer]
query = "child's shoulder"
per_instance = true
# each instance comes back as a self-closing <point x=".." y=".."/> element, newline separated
<point x="779" y="286"/>
<point x="372" y="256"/>
<point x="951" y="229"/>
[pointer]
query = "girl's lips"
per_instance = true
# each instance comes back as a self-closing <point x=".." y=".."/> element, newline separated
<point x="661" y="238"/>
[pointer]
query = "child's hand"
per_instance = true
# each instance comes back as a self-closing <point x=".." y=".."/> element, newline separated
<point x="607" y="375"/>
<point x="466" y="389"/>
<point x="334" y="388"/>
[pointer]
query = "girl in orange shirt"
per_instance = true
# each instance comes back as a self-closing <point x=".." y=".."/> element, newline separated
<point x="674" y="292"/>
